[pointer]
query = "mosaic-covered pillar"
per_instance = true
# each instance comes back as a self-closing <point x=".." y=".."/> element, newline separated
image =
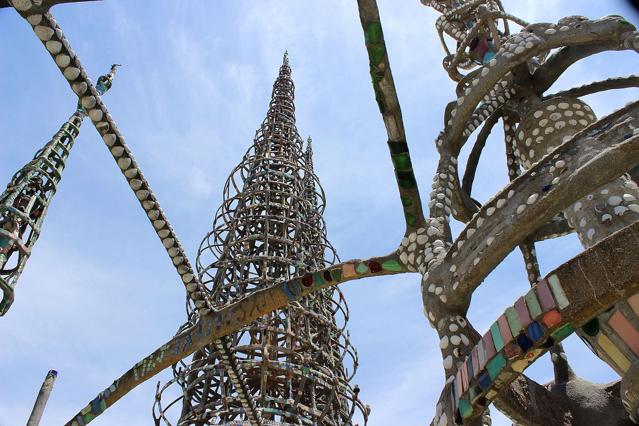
<point x="614" y="335"/>
<point x="24" y="204"/>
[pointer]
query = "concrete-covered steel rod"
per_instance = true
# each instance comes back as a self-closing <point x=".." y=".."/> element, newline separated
<point x="218" y="324"/>
<point x="43" y="397"/>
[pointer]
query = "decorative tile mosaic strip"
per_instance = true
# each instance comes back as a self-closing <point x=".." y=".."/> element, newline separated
<point x="517" y="337"/>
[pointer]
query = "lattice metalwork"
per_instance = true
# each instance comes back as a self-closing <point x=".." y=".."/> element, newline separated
<point x="24" y="204"/>
<point x="296" y="363"/>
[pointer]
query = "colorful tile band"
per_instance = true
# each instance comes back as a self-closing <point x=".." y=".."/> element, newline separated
<point x="518" y="337"/>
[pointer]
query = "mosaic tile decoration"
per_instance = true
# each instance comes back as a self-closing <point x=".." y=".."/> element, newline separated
<point x="519" y="336"/>
<point x="614" y="335"/>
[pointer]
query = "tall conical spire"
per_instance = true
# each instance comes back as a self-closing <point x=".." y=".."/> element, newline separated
<point x="294" y="363"/>
<point x="24" y="204"/>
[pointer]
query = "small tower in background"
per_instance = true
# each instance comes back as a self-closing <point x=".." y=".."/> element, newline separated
<point x="24" y="204"/>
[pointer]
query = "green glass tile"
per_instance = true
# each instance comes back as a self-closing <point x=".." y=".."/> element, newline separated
<point x="361" y="268"/>
<point x="318" y="279"/>
<point x="376" y="53"/>
<point x="402" y="161"/>
<point x="373" y="32"/>
<point x="391" y="265"/>
<point x="495" y="365"/>
<point x="497" y="340"/>
<point x="465" y="409"/>
<point x="336" y="274"/>
<point x="410" y="218"/>
<point x="513" y="321"/>
<point x="406" y="202"/>
<point x="88" y="417"/>
<point x="563" y="332"/>
<point x="533" y="304"/>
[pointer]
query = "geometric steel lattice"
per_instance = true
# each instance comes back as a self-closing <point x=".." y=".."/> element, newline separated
<point x="291" y="363"/>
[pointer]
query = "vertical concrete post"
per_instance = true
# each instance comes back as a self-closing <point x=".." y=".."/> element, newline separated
<point x="43" y="397"/>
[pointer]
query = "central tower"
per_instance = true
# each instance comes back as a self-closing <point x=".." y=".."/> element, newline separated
<point x="293" y="366"/>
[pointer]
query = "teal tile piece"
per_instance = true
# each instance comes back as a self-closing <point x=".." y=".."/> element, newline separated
<point x="495" y="365"/>
<point x="513" y="321"/>
<point x="361" y="268"/>
<point x="465" y="409"/>
<point x="497" y="339"/>
<point x="533" y="304"/>
<point x="318" y="279"/>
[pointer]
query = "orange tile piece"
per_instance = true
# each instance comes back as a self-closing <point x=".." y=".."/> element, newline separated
<point x="348" y="270"/>
<point x="551" y="318"/>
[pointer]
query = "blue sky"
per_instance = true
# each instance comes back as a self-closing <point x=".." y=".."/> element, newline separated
<point x="99" y="292"/>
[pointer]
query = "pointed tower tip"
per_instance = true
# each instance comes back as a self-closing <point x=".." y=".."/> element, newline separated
<point x="285" y="59"/>
<point x="309" y="146"/>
